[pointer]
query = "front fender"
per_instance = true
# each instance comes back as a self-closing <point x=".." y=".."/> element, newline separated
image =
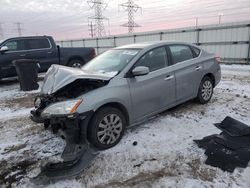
<point x="107" y="94"/>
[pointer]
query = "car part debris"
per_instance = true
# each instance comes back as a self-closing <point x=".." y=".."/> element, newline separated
<point x="230" y="148"/>
<point x="78" y="153"/>
<point x="66" y="169"/>
<point x="135" y="143"/>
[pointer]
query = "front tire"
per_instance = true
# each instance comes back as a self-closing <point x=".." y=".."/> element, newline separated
<point x="106" y="127"/>
<point x="76" y="63"/>
<point x="205" y="90"/>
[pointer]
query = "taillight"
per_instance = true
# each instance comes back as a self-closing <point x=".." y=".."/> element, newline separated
<point x="217" y="58"/>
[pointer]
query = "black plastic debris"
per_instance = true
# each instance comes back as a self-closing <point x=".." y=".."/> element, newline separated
<point x="135" y="143"/>
<point x="52" y="172"/>
<point x="27" y="71"/>
<point x="230" y="148"/>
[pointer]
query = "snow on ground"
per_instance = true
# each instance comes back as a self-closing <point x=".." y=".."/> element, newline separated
<point x="241" y="70"/>
<point x="165" y="154"/>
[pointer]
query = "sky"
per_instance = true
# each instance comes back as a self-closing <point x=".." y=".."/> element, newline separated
<point x="68" y="19"/>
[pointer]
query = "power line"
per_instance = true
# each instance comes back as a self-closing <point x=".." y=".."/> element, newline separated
<point x="131" y="8"/>
<point x="159" y="12"/>
<point x="19" y="28"/>
<point x="98" y="6"/>
<point x="181" y="12"/>
<point x="156" y="11"/>
<point x="190" y="15"/>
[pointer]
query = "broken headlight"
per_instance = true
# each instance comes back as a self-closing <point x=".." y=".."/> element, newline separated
<point x="61" y="108"/>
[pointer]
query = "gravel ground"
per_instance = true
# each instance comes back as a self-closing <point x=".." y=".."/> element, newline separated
<point x="165" y="154"/>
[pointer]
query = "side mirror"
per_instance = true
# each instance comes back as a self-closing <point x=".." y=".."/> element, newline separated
<point x="4" y="49"/>
<point x="140" y="71"/>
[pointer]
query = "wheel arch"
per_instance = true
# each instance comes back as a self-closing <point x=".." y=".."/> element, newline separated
<point x="211" y="76"/>
<point x="75" y="57"/>
<point x="118" y="106"/>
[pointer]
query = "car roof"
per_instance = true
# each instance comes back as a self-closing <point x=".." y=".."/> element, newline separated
<point x="28" y="37"/>
<point x="150" y="44"/>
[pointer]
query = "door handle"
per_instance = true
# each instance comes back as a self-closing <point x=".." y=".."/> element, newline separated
<point x="198" y="68"/>
<point x="169" y="77"/>
<point x="49" y="52"/>
<point x="22" y="55"/>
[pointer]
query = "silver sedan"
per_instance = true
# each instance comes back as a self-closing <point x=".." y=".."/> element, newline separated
<point x="124" y="87"/>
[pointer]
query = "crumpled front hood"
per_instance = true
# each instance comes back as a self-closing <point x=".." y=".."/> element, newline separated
<point x="59" y="76"/>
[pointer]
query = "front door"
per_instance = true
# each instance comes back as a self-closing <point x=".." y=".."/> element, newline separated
<point x="17" y="50"/>
<point x="155" y="91"/>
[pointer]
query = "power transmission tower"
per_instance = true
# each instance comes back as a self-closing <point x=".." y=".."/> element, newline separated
<point x="19" y="28"/>
<point x="91" y="29"/>
<point x="98" y="6"/>
<point x="131" y="8"/>
<point x="1" y="31"/>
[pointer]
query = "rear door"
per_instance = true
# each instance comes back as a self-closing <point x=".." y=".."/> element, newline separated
<point x="42" y="50"/>
<point x="152" y="92"/>
<point x="17" y="50"/>
<point x="188" y="71"/>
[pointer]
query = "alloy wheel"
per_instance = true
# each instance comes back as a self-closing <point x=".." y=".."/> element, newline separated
<point x="207" y="89"/>
<point x="109" y="129"/>
<point x="76" y="65"/>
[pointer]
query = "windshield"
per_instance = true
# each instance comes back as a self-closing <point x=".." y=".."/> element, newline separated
<point x="111" y="61"/>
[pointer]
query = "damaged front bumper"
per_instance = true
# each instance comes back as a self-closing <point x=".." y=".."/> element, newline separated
<point x="72" y="124"/>
<point x="34" y="116"/>
<point x="74" y="128"/>
<point x="78" y="152"/>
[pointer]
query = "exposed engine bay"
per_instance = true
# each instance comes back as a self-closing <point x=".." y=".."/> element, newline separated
<point x="78" y="88"/>
<point x="71" y="91"/>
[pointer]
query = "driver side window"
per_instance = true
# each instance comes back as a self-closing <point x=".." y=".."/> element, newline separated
<point x="15" y="45"/>
<point x="154" y="59"/>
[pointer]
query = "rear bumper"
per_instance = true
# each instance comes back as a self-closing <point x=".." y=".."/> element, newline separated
<point x="217" y="76"/>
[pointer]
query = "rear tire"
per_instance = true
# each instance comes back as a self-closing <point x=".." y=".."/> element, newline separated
<point x="106" y="127"/>
<point x="205" y="91"/>
<point x="76" y="63"/>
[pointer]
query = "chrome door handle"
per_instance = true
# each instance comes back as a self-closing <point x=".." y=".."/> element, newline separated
<point x="169" y="77"/>
<point x="49" y="52"/>
<point x="22" y="55"/>
<point x="198" y="68"/>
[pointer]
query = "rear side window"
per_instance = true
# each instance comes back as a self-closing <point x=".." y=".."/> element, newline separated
<point x="34" y="44"/>
<point x="15" y="45"/>
<point x="154" y="59"/>
<point x="181" y="53"/>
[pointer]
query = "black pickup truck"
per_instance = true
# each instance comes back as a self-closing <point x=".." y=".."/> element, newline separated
<point x="43" y="49"/>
